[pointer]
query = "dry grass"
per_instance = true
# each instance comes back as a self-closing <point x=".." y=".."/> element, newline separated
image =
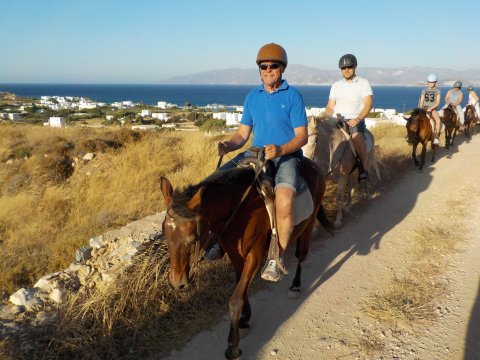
<point x="49" y="208"/>
<point x="414" y="297"/>
<point x="45" y="217"/>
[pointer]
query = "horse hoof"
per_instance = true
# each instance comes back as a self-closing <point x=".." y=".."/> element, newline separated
<point x="294" y="293"/>
<point x="233" y="354"/>
<point x="243" y="332"/>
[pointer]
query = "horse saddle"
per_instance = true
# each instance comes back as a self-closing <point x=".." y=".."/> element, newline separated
<point x="369" y="142"/>
<point x="367" y="135"/>
<point x="303" y="202"/>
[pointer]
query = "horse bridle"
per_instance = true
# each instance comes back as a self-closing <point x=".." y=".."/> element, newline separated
<point x="196" y="240"/>
<point x="180" y="219"/>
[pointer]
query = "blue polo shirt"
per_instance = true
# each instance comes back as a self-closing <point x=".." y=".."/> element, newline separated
<point x="274" y="116"/>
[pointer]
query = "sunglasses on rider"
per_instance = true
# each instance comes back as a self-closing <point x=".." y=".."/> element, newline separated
<point x="273" y="66"/>
<point x="346" y="67"/>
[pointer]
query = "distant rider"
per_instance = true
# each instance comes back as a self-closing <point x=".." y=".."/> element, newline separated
<point x="429" y="101"/>
<point x="454" y="97"/>
<point x="473" y="100"/>
<point x="352" y="97"/>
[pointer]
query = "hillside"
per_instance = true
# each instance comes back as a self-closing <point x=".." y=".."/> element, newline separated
<point x="304" y="75"/>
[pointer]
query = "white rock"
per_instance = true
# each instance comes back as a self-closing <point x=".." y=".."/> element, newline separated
<point x="96" y="242"/>
<point x="88" y="157"/>
<point x="21" y="297"/>
<point x="56" y="295"/>
<point x="43" y="284"/>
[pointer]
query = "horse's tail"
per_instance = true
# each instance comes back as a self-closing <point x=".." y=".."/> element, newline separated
<point x="376" y="163"/>
<point x="322" y="217"/>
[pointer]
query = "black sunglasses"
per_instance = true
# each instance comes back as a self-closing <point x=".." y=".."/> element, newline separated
<point x="346" y="67"/>
<point x="272" y="66"/>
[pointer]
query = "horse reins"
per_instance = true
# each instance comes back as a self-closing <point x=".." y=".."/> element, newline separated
<point x="197" y="258"/>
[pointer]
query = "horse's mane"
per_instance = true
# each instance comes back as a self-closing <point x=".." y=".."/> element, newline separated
<point x="237" y="178"/>
<point x="419" y="111"/>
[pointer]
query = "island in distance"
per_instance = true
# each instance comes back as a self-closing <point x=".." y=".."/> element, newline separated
<point x="304" y="75"/>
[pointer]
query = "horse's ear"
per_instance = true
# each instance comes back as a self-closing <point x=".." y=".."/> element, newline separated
<point x="195" y="200"/>
<point x="167" y="190"/>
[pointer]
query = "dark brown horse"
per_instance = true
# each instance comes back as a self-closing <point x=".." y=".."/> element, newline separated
<point x="419" y="131"/>
<point x="451" y="122"/>
<point x="470" y="119"/>
<point x="208" y="207"/>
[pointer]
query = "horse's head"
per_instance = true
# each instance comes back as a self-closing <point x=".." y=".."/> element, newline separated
<point x="449" y="117"/>
<point x="413" y="124"/>
<point x="469" y="112"/>
<point x="182" y="230"/>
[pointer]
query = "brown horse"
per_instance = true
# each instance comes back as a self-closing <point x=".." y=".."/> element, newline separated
<point x="419" y="131"/>
<point x="451" y="122"/>
<point x="470" y="119"/>
<point x="215" y="205"/>
<point x="329" y="147"/>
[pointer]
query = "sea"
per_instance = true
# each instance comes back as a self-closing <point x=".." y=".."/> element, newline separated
<point x="401" y="98"/>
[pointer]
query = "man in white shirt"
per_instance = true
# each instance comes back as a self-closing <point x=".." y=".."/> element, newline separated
<point x="352" y="97"/>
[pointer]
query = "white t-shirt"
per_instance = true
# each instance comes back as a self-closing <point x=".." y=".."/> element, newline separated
<point x="349" y="96"/>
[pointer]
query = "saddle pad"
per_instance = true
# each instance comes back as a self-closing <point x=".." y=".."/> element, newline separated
<point x="368" y="136"/>
<point x="303" y="205"/>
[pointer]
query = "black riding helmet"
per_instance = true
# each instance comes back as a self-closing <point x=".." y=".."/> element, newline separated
<point x="347" y="60"/>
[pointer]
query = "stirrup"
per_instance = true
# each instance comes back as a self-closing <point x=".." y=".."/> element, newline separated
<point x="363" y="176"/>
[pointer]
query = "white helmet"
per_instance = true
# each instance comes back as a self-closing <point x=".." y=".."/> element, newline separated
<point x="432" y="78"/>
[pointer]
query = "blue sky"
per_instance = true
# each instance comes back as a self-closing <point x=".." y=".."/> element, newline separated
<point x="145" y="41"/>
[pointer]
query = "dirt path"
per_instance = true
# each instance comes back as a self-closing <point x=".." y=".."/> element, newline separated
<point x="375" y="244"/>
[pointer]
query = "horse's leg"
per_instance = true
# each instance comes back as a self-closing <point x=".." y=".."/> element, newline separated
<point x="454" y="134"/>
<point x="422" y="155"/>
<point x="414" y="155"/>
<point x="236" y="305"/>
<point x="434" y="148"/>
<point x="350" y="190"/>
<point x="301" y="252"/>
<point x="342" y="181"/>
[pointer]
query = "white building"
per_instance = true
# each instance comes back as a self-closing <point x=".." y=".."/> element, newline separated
<point x="146" y="127"/>
<point x="109" y="117"/>
<point x="14" y="116"/>
<point x="56" y="121"/>
<point x="165" y="105"/>
<point x="314" y="111"/>
<point x="231" y="119"/>
<point x="220" y="115"/>
<point x="146" y="112"/>
<point x="161" y="116"/>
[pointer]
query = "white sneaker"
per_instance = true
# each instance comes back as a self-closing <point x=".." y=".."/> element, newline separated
<point x="271" y="272"/>
<point x="436" y="141"/>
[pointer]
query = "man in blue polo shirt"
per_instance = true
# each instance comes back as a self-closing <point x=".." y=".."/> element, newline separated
<point x="275" y="112"/>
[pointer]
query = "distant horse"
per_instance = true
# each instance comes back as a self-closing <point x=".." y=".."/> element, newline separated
<point x="470" y="119"/>
<point x="213" y="206"/>
<point x="330" y="147"/>
<point x="450" y="120"/>
<point x="419" y="131"/>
